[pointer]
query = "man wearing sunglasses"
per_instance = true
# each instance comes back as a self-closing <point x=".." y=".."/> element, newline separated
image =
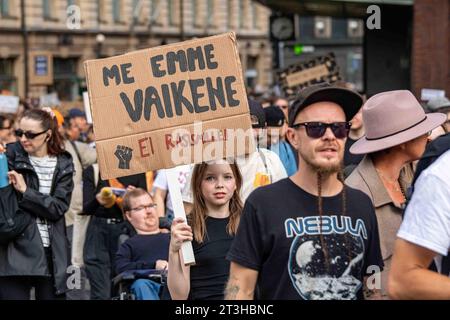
<point x="308" y="237"/>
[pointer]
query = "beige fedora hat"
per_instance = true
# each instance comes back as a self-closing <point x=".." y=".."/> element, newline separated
<point x="392" y="118"/>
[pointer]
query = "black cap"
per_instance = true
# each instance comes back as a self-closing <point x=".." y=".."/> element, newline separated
<point x="348" y="100"/>
<point x="257" y="114"/>
<point x="274" y="116"/>
<point x="75" y="113"/>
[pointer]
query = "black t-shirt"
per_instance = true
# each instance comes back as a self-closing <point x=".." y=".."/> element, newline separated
<point x="210" y="273"/>
<point x="279" y="236"/>
<point x="350" y="158"/>
<point x="141" y="252"/>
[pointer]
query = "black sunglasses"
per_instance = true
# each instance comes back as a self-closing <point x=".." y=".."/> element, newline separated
<point x="28" y="134"/>
<point x="317" y="129"/>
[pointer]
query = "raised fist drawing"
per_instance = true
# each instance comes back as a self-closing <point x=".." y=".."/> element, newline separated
<point x="124" y="154"/>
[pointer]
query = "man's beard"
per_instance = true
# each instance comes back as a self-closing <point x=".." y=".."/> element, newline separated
<point x="327" y="169"/>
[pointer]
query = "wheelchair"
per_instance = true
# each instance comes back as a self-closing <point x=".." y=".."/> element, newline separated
<point x="122" y="283"/>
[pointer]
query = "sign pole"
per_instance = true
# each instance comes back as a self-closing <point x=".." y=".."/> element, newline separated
<point x="178" y="210"/>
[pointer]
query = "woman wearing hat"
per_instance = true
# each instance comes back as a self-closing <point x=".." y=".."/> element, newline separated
<point x="397" y="131"/>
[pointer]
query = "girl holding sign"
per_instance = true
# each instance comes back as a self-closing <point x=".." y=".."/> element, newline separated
<point x="213" y="222"/>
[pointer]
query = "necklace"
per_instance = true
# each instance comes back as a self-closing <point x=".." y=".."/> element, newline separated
<point x="396" y="185"/>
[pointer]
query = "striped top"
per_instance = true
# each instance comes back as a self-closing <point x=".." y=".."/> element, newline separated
<point x="44" y="167"/>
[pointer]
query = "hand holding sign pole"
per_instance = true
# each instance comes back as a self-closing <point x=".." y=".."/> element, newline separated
<point x="178" y="210"/>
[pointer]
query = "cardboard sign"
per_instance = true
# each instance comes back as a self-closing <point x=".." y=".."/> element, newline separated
<point x="9" y="104"/>
<point x="41" y="68"/>
<point x="50" y="100"/>
<point x="144" y="105"/>
<point x="298" y="76"/>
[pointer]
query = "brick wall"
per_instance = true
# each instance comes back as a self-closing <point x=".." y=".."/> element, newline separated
<point x="431" y="46"/>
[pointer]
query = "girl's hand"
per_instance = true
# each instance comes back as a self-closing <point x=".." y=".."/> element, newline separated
<point x="180" y="232"/>
<point x="161" y="265"/>
<point x="17" y="181"/>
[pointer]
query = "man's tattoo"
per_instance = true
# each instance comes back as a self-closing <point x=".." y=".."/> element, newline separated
<point x="231" y="291"/>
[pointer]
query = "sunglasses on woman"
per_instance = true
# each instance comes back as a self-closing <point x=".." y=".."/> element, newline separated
<point x="316" y="130"/>
<point x="28" y="134"/>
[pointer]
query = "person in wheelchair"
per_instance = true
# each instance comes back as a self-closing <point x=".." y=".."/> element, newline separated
<point x="146" y="250"/>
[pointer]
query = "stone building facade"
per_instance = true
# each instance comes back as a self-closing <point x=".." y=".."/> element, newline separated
<point x="76" y="30"/>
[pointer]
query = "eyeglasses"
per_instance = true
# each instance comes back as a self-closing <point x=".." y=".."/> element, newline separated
<point x="28" y="134"/>
<point x="140" y="208"/>
<point x="316" y="130"/>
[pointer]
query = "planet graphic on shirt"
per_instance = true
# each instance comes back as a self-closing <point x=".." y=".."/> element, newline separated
<point x="329" y="273"/>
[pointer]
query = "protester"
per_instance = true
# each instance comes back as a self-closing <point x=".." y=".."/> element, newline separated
<point x="441" y="105"/>
<point x="148" y="249"/>
<point x="161" y="190"/>
<point x="283" y="104"/>
<point x="275" y="121"/>
<point x="78" y="118"/>
<point x="424" y="235"/>
<point x="41" y="172"/>
<point x="211" y="227"/>
<point x="281" y="251"/>
<point x="76" y="223"/>
<point x="356" y="131"/>
<point x="396" y="135"/>
<point x="104" y="229"/>
<point x="7" y="130"/>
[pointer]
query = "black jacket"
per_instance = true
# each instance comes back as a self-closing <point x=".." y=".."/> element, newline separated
<point x="25" y="256"/>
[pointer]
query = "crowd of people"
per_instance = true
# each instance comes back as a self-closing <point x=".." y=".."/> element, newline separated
<point x="344" y="198"/>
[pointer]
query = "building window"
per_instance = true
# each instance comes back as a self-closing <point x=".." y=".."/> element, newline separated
<point x="194" y="8"/>
<point x="322" y="27"/>
<point x="254" y="15"/>
<point x="46" y="9"/>
<point x="173" y="8"/>
<point x="155" y="17"/>
<point x="66" y="80"/>
<point x="7" y="79"/>
<point x="117" y="5"/>
<point x="229" y="5"/>
<point x="209" y="13"/>
<point x="4" y="8"/>
<point x="355" y="28"/>
<point x="241" y="12"/>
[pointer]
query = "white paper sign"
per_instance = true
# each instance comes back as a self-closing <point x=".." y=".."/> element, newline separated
<point x="429" y="94"/>
<point x="87" y="107"/>
<point x="9" y="104"/>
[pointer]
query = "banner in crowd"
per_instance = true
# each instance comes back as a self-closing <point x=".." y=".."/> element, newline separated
<point x="50" y="100"/>
<point x="170" y="105"/>
<point x="300" y="75"/>
<point x="9" y="104"/>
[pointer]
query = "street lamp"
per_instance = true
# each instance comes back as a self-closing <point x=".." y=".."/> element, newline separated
<point x="100" y="38"/>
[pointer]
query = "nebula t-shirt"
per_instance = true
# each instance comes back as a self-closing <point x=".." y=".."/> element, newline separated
<point x="279" y="235"/>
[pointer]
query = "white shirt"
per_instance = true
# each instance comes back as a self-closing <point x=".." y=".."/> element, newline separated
<point x="45" y="168"/>
<point x="427" y="216"/>
<point x="161" y="181"/>
<point x="255" y="172"/>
